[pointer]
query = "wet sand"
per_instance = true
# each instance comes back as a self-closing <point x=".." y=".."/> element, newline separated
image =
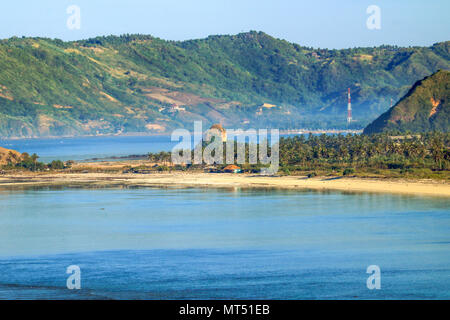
<point x="224" y="180"/>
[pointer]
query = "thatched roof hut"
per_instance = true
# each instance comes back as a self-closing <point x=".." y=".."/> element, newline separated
<point x="231" y="168"/>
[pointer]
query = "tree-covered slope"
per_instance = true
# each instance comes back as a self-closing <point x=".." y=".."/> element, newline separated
<point x="137" y="83"/>
<point x="426" y="107"/>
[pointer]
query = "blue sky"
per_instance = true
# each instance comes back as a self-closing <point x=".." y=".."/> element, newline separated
<point x="315" y="23"/>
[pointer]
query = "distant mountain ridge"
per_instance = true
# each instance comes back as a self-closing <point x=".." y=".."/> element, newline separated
<point x="426" y="107"/>
<point x="139" y="83"/>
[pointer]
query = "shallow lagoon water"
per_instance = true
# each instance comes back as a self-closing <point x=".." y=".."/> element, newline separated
<point x="144" y="243"/>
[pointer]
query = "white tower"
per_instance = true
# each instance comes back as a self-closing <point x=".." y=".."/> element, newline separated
<point x="349" y="108"/>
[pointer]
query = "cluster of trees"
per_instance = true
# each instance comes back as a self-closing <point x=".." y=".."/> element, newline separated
<point x="31" y="163"/>
<point x="160" y="157"/>
<point x="25" y="161"/>
<point x="380" y="151"/>
<point x="348" y="154"/>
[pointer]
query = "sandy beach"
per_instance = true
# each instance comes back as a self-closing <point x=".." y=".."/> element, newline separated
<point x="224" y="180"/>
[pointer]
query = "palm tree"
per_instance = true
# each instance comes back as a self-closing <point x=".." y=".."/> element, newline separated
<point x="34" y="157"/>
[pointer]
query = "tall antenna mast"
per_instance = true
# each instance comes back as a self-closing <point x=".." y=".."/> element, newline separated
<point x="349" y="108"/>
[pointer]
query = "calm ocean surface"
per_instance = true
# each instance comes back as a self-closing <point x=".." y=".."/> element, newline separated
<point x="89" y="147"/>
<point x="227" y="244"/>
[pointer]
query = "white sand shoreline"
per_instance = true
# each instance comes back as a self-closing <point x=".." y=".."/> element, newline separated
<point x="222" y="180"/>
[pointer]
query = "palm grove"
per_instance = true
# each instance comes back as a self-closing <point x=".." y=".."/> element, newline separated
<point x="425" y="155"/>
<point x="421" y="156"/>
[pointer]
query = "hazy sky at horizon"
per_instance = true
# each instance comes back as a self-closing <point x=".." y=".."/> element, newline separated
<point x="325" y="24"/>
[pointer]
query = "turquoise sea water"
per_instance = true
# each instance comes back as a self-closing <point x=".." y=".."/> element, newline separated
<point x="228" y="244"/>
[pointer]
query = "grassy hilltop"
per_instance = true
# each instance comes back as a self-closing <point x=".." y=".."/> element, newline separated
<point x="426" y="107"/>
<point x="138" y="83"/>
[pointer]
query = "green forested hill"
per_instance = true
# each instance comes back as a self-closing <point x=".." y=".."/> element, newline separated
<point x="137" y="83"/>
<point x="426" y="107"/>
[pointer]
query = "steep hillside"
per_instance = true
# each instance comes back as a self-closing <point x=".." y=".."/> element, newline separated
<point x="138" y="83"/>
<point x="426" y="107"/>
<point x="7" y="155"/>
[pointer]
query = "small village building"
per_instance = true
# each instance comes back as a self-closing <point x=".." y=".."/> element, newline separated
<point x="231" y="168"/>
